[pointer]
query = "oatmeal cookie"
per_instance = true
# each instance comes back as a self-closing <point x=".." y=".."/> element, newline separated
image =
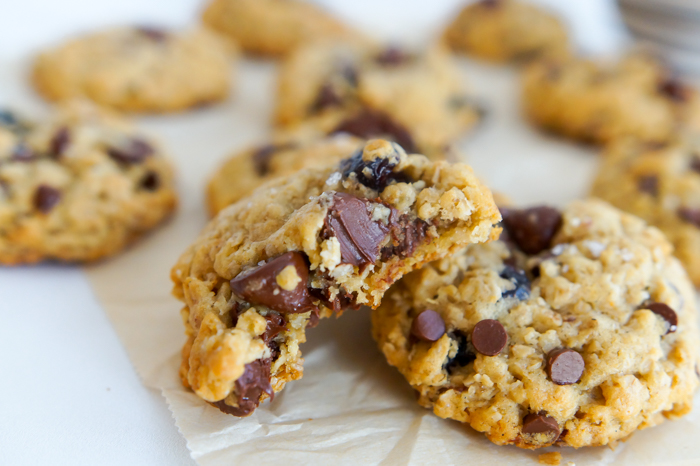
<point x="273" y="27"/>
<point x="597" y="102"/>
<point x="506" y="30"/>
<point x="78" y="187"/>
<point x="576" y="328"/>
<point x="417" y="99"/>
<point x="138" y="69"/>
<point x="303" y="246"/>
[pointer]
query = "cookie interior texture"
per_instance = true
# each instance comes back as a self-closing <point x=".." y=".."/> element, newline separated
<point x="600" y="102"/>
<point x="661" y="184"/>
<point x="417" y="99"/>
<point x="79" y="186"/>
<point x="139" y="69"/>
<point x="318" y="241"/>
<point x="575" y="328"/>
<point x="507" y="30"/>
<point x="273" y="27"/>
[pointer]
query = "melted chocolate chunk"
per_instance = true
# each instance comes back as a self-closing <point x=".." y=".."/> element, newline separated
<point x="262" y="157"/>
<point x="665" y="311"/>
<point x="520" y="281"/>
<point x="690" y="215"/>
<point x="349" y="219"/>
<point x="675" y="90"/>
<point x="134" y="151"/>
<point x="314" y="317"/>
<point x="259" y="285"/>
<point x="327" y="97"/>
<point x="489" y="337"/>
<point x="46" y="198"/>
<point x="465" y="354"/>
<point x="340" y="302"/>
<point x="393" y="56"/>
<point x="565" y="366"/>
<point x="150" y="181"/>
<point x="531" y="229"/>
<point x="370" y="124"/>
<point x="406" y="235"/>
<point x="648" y="184"/>
<point x="428" y="326"/>
<point x="59" y="142"/>
<point x="540" y="423"/>
<point x="249" y="387"/>
<point x="22" y="153"/>
<point x="153" y="33"/>
<point x="275" y="325"/>
<point x="376" y="174"/>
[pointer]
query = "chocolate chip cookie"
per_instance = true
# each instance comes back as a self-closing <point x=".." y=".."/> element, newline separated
<point x="247" y="170"/>
<point x="599" y="102"/>
<point x="273" y="27"/>
<point x="139" y="69"/>
<point x="506" y="30"/>
<point x="661" y="184"/>
<point x="78" y="187"/>
<point x="416" y="99"/>
<point x="306" y="245"/>
<point x="575" y="328"/>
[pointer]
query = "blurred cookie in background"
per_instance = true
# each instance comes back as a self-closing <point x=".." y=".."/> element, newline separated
<point x="273" y="27"/>
<point x="138" y="69"/>
<point x="78" y="187"/>
<point x="600" y="101"/>
<point x="506" y="31"/>
<point x="371" y="91"/>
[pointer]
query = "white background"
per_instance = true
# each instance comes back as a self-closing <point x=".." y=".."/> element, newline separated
<point x="68" y="393"/>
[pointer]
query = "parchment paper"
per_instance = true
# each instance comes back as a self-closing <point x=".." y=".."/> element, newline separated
<point x="350" y="407"/>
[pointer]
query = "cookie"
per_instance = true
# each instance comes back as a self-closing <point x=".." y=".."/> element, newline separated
<point x="138" y="69"/>
<point x="506" y="31"/>
<point x="576" y="328"/>
<point x="319" y="241"/>
<point x="273" y="27"/>
<point x="247" y="170"/>
<point x="597" y="102"/>
<point x="78" y="187"/>
<point x="417" y="99"/>
<point x="661" y="184"/>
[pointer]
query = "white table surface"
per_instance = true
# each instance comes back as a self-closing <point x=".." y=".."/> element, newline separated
<point x="68" y="393"/>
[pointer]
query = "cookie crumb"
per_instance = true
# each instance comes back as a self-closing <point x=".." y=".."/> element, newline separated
<point x="552" y="458"/>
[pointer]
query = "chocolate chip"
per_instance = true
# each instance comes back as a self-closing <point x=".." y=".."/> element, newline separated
<point x="349" y="219"/>
<point x="648" y="184"/>
<point x="489" y="337"/>
<point x="376" y="174"/>
<point x="327" y="97"/>
<point x="665" y="311"/>
<point x="249" y="387"/>
<point x="59" y="142"/>
<point x="46" y="198"/>
<point x="154" y="34"/>
<point x="393" y="56"/>
<point x="263" y="156"/>
<point x="22" y="153"/>
<point x="532" y="229"/>
<point x="428" y="326"/>
<point x="259" y="286"/>
<point x="134" y="151"/>
<point x="372" y="124"/>
<point x="517" y="277"/>
<point x="313" y="318"/>
<point x="464" y="355"/>
<point x="540" y="423"/>
<point x="565" y="366"/>
<point x="690" y="215"/>
<point x="675" y="90"/>
<point x="150" y="181"/>
<point x="275" y="325"/>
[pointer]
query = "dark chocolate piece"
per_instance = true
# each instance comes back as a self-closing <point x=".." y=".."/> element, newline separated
<point x="59" y="142"/>
<point x="153" y="33"/>
<point x="428" y="326"/>
<point x="531" y="229"/>
<point x="489" y="337"/>
<point x="648" y="184"/>
<point x="249" y="387"/>
<point x="370" y="124"/>
<point x="46" y="198"/>
<point x="540" y="423"/>
<point x="150" y="181"/>
<point x="565" y="366"/>
<point x="665" y="311"/>
<point x="132" y="152"/>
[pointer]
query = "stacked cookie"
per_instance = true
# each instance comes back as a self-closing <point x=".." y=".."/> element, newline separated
<point x="535" y="326"/>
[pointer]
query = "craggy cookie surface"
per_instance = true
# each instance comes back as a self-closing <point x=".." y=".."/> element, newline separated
<point x="416" y="99"/>
<point x="138" y="69"/>
<point x="506" y="30"/>
<point x="273" y="27"/>
<point x="661" y="184"/>
<point x="305" y="245"/>
<point x="78" y="187"/>
<point x="599" y="102"/>
<point x="575" y="328"/>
